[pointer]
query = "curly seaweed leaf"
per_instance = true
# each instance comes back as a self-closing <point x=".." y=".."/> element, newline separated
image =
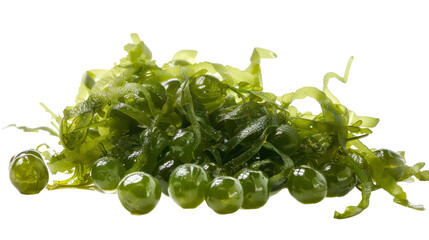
<point x="382" y="178"/>
<point x="423" y="175"/>
<point x="255" y="66"/>
<point x="184" y="57"/>
<point x="333" y="113"/>
<point x="366" y="192"/>
<point x="36" y="129"/>
<point x="330" y="75"/>
<point x="88" y="81"/>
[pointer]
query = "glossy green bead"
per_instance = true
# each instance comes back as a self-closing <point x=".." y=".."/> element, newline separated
<point x="209" y="90"/>
<point x="224" y="195"/>
<point x="163" y="171"/>
<point x="307" y="185"/>
<point x="187" y="185"/>
<point x="285" y="138"/>
<point x="28" y="173"/>
<point x="182" y="145"/>
<point x="256" y="188"/>
<point x="139" y="193"/>
<point x="394" y="163"/>
<point x="206" y="87"/>
<point x="107" y="172"/>
<point x="340" y="178"/>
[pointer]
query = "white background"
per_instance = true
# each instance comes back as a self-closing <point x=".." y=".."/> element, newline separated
<point x="45" y="47"/>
